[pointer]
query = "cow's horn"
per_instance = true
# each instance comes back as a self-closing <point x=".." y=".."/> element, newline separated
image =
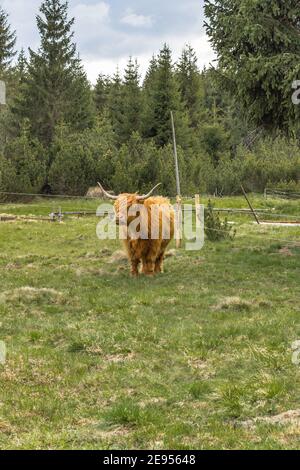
<point x="142" y="198"/>
<point x="109" y="196"/>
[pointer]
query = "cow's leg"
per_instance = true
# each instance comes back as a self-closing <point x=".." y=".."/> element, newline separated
<point x="148" y="266"/>
<point x="134" y="256"/>
<point x="159" y="263"/>
<point x="160" y="258"/>
<point x="149" y="258"/>
<point x="135" y="266"/>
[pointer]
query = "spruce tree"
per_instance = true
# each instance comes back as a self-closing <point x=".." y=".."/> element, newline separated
<point x="7" y="53"/>
<point x="258" y="49"/>
<point x="101" y="93"/>
<point x="7" y="42"/>
<point x="17" y="104"/>
<point x="21" y="67"/>
<point x="56" y="88"/>
<point x="163" y="98"/>
<point x="151" y="73"/>
<point x="190" y="84"/>
<point x="132" y="103"/>
<point x="115" y="103"/>
<point x="148" y="92"/>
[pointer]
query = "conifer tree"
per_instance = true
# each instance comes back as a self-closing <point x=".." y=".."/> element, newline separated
<point x="56" y="89"/>
<point x="21" y="67"/>
<point x="101" y="93"/>
<point x="7" y="53"/>
<point x="258" y="48"/>
<point x="17" y="105"/>
<point x="115" y="103"/>
<point x="7" y="42"/>
<point x="190" y="84"/>
<point x="151" y="73"/>
<point x="132" y="103"/>
<point x="148" y="92"/>
<point x="163" y="98"/>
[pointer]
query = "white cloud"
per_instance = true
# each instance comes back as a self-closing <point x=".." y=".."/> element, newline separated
<point x="22" y="19"/>
<point x="135" y="20"/>
<point x="90" y="15"/>
<point x="106" y="33"/>
<point x="91" y="20"/>
<point x="108" y="66"/>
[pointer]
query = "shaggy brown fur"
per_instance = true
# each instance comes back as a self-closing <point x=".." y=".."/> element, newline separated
<point x="150" y="252"/>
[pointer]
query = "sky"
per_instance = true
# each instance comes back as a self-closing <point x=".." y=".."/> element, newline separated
<point x="108" y="32"/>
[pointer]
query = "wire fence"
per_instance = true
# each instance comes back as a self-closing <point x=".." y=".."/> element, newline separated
<point x="282" y="194"/>
<point x="59" y="214"/>
<point x="50" y="196"/>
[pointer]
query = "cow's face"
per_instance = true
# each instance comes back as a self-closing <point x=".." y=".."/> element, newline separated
<point x="125" y="202"/>
<point x="122" y="209"/>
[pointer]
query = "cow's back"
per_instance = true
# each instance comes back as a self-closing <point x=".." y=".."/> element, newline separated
<point x="165" y="222"/>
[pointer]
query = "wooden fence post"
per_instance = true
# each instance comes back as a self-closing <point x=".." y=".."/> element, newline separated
<point x="197" y="205"/>
<point x="178" y="223"/>
<point x="250" y="205"/>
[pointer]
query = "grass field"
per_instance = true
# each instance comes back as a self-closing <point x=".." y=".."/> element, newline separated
<point x="197" y="358"/>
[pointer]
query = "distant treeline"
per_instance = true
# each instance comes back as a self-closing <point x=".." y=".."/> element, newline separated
<point x="234" y="124"/>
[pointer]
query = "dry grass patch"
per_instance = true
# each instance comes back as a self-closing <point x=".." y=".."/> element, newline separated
<point x="234" y="303"/>
<point x="285" y="251"/>
<point x="118" y="256"/>
<point x="119" y="358"/>
<point x="29" y="294"/>
<point x="291" y="417"/>
<point x="89" y="271"/>
<point x="5" y="427"/>
<point x="171" y="253"/>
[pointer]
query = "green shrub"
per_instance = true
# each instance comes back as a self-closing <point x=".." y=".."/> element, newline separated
<point x="215" y="228"/>
<point x="271" y="162"/>
<point x="24" y="165"/>
<point x="7" y="174"/>
<point x="80" y="160"/>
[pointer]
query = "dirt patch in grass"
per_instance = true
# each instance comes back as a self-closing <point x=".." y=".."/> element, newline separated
<point x="13" y="266"/>
<point x="286" y="418"/>
<point x="285" y="251"/>
<point x="29" y="294"/>
<point x="202" y="368"/>
<point x="89" y="271"/>
<point x="118" y="257"/>
<point x="96" y="431"/>
<point x="171" y="253"/>
<point x="153" y="401"/>
<point x="96" y="256"/>
<point x="119" y="358"/>
<point x="234" y="303"/>
<point x="5" y="427"/>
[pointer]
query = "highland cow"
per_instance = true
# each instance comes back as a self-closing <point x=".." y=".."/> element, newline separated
<point x="146" y="226"/>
